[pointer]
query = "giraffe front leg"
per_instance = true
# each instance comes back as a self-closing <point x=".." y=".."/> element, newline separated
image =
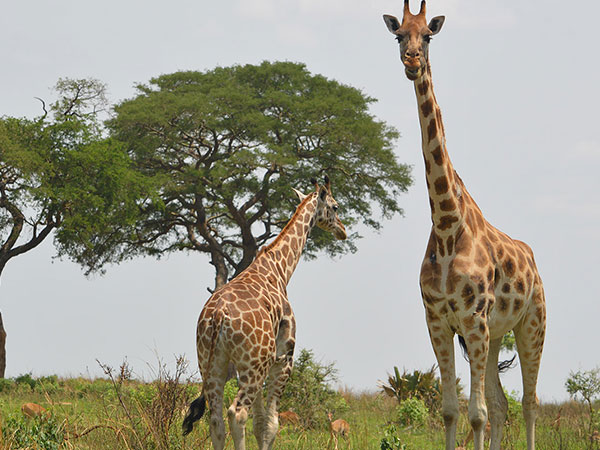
<point x="477" y="341"/>
<point x="443" y="346"/>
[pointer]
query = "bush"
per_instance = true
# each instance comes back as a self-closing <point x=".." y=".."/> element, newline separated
<point x="308" y="391"/>
<point x="44" y="433"/>
<point x="424" y="385"/>
<point x="6" y="384"/>
<point x="413" y="412"/>
<point x="26" y="380"/>
<point x="390" y="440"/>
<point x="229" y="392"/>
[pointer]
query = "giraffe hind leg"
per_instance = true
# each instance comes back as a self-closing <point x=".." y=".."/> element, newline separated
<point x="237" y="414"/>
<point x="278" y="377"/>
<point x="213" y="386"/>
<point x="494" y="395"/>
<point x="529" y="336"/>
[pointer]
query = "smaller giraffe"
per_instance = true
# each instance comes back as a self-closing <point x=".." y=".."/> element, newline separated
<point x="249" y="322"/>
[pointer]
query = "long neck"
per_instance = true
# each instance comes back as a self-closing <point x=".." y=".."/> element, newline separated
<point x="283" y="254"/>
<point x="446" y="191"/>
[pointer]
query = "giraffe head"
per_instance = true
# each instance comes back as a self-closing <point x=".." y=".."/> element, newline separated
<point x="326" y="214"/>
<point x="414" y="35"/>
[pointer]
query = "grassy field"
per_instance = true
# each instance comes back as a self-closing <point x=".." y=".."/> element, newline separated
<point x="119" y="413"/>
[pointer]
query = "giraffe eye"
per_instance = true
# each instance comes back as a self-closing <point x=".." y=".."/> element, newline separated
<point x="335" y="208"/>
<point x="427" y="38"/>
<point x="400" y="38"/>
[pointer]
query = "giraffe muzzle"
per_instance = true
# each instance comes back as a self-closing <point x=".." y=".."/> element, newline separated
<point x="412" y="68"/>
<point x="340" y="231"/>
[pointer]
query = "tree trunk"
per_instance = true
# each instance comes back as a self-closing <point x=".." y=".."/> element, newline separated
<point x="221" y="271"/>
<point x="2" y="348"/>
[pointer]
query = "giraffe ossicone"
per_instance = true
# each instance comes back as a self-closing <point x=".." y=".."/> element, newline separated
<point x="475" y="280"/>
<point x="249" y="322"/>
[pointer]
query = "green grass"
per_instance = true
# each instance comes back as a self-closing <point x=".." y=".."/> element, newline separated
<point x="130" y="414"/>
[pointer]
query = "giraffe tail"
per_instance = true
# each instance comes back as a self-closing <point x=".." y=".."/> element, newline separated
<point x="198" y="407"/>
<point x="503" y="366"/>
<point x="195" y="412"/>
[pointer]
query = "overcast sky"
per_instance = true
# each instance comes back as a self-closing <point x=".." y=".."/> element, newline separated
<point x="518" y="84"/>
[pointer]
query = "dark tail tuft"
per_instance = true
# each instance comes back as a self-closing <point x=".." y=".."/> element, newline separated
<point x="463" y="347"/>
<point x="503" y="366"/>
<point x="196" y="411"/>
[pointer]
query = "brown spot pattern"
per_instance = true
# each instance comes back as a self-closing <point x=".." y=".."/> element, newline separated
<point x="427" y="107"/>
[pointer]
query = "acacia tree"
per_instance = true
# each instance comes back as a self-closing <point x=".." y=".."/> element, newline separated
<point x="223" y="148"/>
<point x="58" y="174"/>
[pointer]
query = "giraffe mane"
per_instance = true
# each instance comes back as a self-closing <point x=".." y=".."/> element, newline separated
<point x="293" y="220"/>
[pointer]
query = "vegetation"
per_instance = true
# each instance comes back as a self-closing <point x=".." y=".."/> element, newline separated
<point x="309" y="392"/>
<point x="59" y="174"/>
<point x="120" y="412"/>
<point x="586" y="384"/>
<point x="422" y="385"/>
<point x="222" y="149"/>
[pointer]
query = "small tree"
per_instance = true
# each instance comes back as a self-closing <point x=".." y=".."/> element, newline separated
<point x="586" y="384"/>
<point x="309" y="392"/>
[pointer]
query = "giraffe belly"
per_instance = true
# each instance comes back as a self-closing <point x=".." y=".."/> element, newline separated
<point x="508" y="310"/>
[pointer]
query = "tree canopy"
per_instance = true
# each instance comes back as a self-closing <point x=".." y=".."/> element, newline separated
<point x="58" y="174"/>
<point x="221" y="150"/>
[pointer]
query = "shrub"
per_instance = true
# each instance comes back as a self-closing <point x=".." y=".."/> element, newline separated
<point x="44" y="433"/>
<point x="390" y="440"/>
<point x="47" y="384"/>
<point x="26" y="380"/>
<point x="424" y="385"/>
<point x="413" y="412"/>
<point x="229" y="392"/>
<point x="308" y="391"/>
<point x="6" y="384"/>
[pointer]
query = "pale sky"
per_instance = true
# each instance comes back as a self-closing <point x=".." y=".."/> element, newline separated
<point x="518" y="86"/>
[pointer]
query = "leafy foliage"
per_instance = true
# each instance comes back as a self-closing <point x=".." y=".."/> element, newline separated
<point x="413" y="412"/>
<point x="222" y="148"/>
<point x="57" y="172"/>
<point x="390" y="440"/>
<point x="421" y="385"/>
<point x="44" y="433"/>
<point x="509" y="343"/>
<point x="309" y="393"/>
<point x="586" y="384"/>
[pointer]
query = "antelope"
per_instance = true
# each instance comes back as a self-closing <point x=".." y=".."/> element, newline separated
<point x="338" y="427"/>
<point x="289" y="418"/>
<point x="33" y="410"/>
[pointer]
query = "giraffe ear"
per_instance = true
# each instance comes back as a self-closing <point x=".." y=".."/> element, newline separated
<point x="435" y="25"/>
<point x="300" y="195"/>
<point x="323" y="193"/>
<point x="392" y="23"/>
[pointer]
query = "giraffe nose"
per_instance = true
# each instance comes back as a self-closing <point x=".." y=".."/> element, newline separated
<point x="412" y="54"/>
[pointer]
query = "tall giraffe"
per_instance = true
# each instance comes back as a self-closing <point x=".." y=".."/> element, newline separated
<point x="249" y="322"/>
<point x="475" y="280"/>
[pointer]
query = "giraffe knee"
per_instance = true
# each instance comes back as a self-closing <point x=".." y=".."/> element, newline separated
<point x="237" y="414"/>
<point x="450" y="416"/>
